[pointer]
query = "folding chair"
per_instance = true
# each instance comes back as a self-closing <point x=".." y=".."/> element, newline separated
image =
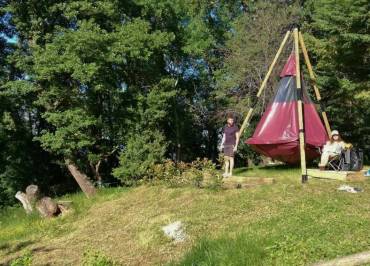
<point x="336" y="162"/>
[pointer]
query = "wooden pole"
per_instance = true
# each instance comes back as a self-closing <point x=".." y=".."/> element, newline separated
<point x="313" y="79"/>
<point x="246" y="121"/>
<point x="264" y="82"/>
<point x="300" y="108"/>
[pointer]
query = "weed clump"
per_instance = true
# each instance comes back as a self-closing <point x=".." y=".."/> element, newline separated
<point x="97" y="258"/>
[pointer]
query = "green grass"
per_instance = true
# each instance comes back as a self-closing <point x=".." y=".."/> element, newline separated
<point x="18" y="230"/>
<point x="286" y="223"/>
<point x="239" y="250"/>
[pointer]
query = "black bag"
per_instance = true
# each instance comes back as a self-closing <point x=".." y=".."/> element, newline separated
<point x="357" y="160"/>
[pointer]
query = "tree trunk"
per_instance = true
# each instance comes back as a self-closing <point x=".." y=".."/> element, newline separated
<point x="96" y="170"/>
<point x="83" y="181"/>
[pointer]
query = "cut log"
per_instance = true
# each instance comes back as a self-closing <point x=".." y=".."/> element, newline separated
<point x="22" y="197"/>
<point x="83" y="181"/>
<point x="33" y="193"/>
<point x="47" y="207"/>
<point x="352" y="260"/>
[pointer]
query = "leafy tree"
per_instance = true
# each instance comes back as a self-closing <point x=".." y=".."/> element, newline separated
<point x="86" y="68"/>
<point x="22" y="161"/>
<point x="142" y="151"/>
<point x="338" y="36"/>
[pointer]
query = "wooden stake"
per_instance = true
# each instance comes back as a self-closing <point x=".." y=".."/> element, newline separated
<point x="312" y="76"/>
<point x="300" y="108"/>
<point x="264" y="82"/>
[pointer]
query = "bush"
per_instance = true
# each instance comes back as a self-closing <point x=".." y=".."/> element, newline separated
<point x="142" y="152"/>
<point x="199" y="173"/>
<point x="96" y="258"/>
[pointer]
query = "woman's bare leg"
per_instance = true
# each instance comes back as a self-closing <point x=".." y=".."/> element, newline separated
<point x="231" y="166"/>
<point x="227" y="165"/>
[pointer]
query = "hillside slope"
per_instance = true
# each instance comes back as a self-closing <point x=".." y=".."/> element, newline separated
<point x="284" y="224"/>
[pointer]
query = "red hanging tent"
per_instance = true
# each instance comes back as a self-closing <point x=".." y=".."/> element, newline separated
<point x="277" y="133"/>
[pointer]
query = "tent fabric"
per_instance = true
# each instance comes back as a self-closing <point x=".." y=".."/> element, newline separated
<point x="289" y="67"/>
<point x="277" y="133"/>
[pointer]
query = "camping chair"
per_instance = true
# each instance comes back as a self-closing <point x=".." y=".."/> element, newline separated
<point x="336" y="162"/>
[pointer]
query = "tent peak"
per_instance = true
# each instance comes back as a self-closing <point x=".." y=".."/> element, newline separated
<point x="289" y="68"/>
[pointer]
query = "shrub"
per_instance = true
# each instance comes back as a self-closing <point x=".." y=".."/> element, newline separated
<point x="200" y="173"/>
<point x="142" y="152"/>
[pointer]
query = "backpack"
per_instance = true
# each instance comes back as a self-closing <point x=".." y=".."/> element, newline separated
<point x="357" y="160"/>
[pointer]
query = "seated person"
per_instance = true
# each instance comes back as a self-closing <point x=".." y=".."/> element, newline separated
<point x="332" y="148"/>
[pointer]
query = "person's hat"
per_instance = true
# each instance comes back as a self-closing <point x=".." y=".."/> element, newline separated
<point x="334" y="132"/>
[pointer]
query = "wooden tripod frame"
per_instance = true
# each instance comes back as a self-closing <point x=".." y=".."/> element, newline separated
<point x="298" y="41"/>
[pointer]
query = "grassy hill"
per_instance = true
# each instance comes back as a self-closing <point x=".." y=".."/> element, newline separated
<point x="286" y="223"/>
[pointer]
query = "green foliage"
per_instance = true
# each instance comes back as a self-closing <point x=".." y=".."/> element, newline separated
<point x="338" y="38"/>
<point x="72" y="132"/>
<point x="96" y="258"/>
<point x="142" y="151"/>
<point x="24" y="260"/>
<point x="199" y="173"/>
<point x="240" y="250"/>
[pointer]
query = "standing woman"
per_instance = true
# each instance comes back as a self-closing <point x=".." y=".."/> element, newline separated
<point x="229" y="144"/>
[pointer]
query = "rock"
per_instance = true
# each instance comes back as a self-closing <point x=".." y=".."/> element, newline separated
<point x="175" y="231"/>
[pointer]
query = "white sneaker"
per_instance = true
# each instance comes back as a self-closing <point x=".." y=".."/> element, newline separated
<point x="225" y="175"/>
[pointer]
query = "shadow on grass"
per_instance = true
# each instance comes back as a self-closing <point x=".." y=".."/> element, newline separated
<point x="240" y="250"/>
<point x="25" y="258"/>
<point x="277" y="167"/>
<point x="19" y="246"/>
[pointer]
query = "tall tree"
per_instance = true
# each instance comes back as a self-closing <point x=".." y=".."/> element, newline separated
<point x="22" y="161"/>
<point x="338" y="34"/>
<point x="87" y="61"/>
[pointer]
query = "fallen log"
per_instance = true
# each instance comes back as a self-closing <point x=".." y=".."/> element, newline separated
<point x="351" y="260"/>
